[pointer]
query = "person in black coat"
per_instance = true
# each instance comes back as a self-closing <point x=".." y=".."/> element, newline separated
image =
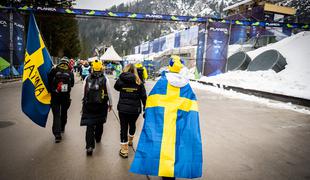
<point x="132" y="94"/>
<point x="97" y="101"/>
<point x="61" y="80"/>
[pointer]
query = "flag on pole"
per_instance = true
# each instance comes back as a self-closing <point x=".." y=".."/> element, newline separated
<point x="35" y="95"/>
<point x="170" y="142"/>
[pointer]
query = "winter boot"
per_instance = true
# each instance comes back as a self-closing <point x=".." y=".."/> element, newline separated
<point x="89" y="151"/>
<point x="130" y="140"/>
<point x="124" y="150"/>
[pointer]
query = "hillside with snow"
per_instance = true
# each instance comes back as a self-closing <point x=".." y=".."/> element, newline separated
<point x="294" y="80"/>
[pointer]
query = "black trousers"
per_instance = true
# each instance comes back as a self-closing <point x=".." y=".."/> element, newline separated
<point x="168" y="178"/>
<point x="60" y="109"/>
<point x="127" y="119"/>
<point x="93" y="132"/>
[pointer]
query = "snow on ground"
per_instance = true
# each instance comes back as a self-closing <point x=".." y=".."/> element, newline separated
<point x="236" y="95"/>
<point x="294" y="80"/>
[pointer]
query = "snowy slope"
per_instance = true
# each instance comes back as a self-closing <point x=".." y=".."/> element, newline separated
<point x="294" y="80"/>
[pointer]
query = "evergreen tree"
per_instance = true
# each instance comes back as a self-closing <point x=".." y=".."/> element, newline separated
<point x="60" y="32"/>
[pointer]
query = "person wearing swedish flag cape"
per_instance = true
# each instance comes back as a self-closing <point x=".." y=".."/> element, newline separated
<point x="170" y="142"/>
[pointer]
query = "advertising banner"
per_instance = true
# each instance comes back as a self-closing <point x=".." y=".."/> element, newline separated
<point x="184" y="41"/>
<point x="170" y="41"/>
<point x="145" y="48"/>
<point x="4" y="36"/>
<point x="193" y="34"/>
<point x="177" y="40"/>
<point x="162" y="43"/>
<point x="238" y="34"/>
<point x="137" y="49"/>
<point x="156" y="45"/>
<point x="201" y="46"/>
<point x="217" y="46"/>
<point x="18" y="39"/>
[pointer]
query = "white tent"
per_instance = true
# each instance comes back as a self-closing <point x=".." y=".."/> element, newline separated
<point x="110" y="55"/>
<point x="92" y="59"/>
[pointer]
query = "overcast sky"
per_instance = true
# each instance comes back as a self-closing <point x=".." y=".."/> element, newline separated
<point x="98" y="4"/>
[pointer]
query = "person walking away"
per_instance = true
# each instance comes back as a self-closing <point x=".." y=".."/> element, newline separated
<point x="118" y="70"/>
<point x="61" y="80"/>
<point x="85" y="70"/>
<point x="132" y="94"/>
<point x="97" y="101"/>
<point x="170" y="142"/>
<point x="142" y="72"/>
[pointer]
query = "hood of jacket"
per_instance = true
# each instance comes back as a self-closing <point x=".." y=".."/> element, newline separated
<point x="177" y="79"/>
<point x="128" y="77"/>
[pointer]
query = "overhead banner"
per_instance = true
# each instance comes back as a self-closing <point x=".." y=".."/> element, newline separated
<point x="4" y="36"/>
<point x="201" y="47"/>
<point x="217" y="46"/>
<point x="150" y="16"/>
<point x="18" y="39"/>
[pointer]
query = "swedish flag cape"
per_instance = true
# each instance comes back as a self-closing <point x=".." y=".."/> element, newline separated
<point x="170" y="141"/>
<point x="35" y="95"/>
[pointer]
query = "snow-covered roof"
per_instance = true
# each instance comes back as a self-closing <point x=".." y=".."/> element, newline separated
<point x="110" y="55"/>
<point x="237" y="4"/>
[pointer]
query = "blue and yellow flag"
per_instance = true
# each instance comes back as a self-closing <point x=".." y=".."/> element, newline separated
<point x="35" y="95"/>
<point x="170" y="141"/>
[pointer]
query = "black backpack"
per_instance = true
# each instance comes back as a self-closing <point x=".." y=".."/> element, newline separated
<point x="95" y="90"/>
<point x="140" y="73"/>
<point x="62" y="79"/>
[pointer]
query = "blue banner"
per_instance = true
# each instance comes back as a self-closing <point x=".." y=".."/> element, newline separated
<point x="18" y="39"/>
<point x="177" y="40"/>
<point x="217" y="46"/>
<point x="162" y="42"/>
<point x="238" y="34"/>
<point x="201" y="46"/>
<point x="4" y="36"/>
<point x="156" y="46"/>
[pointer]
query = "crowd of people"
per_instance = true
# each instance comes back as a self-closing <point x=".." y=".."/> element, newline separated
<point x="133" y="100"/>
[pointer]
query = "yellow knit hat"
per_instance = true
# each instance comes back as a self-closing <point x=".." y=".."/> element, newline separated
<point x="175" y="64"/>
<point x="97" y="65"/>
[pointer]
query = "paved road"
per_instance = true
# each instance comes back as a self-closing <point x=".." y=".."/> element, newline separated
<point x="241" y="140"/>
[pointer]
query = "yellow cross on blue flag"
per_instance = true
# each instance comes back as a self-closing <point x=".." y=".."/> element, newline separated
<point x="35" y="95"/>
<point x="170" y="141"/>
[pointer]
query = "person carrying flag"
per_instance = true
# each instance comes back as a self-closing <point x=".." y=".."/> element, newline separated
<point x="61" y="80"/>
<point x="170" y="142"/>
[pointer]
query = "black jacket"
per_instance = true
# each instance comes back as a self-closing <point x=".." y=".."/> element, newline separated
<point x="93" y="114"/>
<point x="131" y="94"/>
